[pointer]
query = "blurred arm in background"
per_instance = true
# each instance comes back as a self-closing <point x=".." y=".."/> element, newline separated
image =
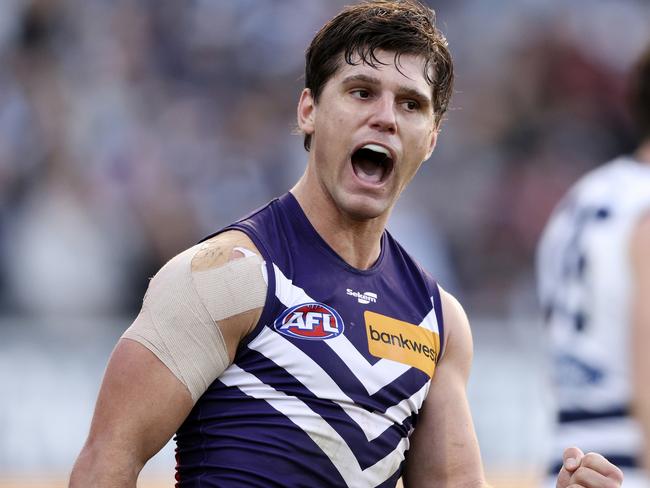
<point x="640" y="251"/>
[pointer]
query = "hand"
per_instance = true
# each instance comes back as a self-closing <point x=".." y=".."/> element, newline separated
<point x="587" y="471"/>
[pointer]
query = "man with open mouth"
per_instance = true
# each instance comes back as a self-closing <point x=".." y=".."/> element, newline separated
<point x="302" y="346"/>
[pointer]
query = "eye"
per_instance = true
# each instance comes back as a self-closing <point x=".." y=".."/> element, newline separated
<point x="411" y="105"/>
<point x="361" y="93"/>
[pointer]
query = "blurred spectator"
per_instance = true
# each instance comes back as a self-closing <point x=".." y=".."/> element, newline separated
<point x="128" y="131"/>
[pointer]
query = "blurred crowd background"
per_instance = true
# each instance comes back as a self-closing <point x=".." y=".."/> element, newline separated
<point x="131" y="129"/>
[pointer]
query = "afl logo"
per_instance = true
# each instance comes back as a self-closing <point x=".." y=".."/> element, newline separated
<point x="312" y="321"/>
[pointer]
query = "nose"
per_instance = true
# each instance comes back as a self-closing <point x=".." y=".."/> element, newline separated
<point x="383" y="115"/>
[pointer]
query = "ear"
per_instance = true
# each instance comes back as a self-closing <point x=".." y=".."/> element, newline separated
<point x="306" y="109"/>
<point x="432" y="141"/>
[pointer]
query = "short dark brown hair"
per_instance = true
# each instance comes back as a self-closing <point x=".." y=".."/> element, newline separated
<point x="640" y="94"/>
<point x="397" y="26"/>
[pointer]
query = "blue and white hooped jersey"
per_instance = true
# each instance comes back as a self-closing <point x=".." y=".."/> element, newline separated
<point x="585" y="288"/>
<point x="326" y="389"/>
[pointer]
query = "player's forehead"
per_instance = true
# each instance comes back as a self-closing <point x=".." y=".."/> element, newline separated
<point x="385" y="68"/>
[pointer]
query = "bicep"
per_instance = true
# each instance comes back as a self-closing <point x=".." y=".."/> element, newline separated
<point x="139" y="407"/>
<point x="444" y="449"/>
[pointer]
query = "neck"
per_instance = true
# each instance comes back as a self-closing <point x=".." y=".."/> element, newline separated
<point x="357" y="242"/>
<point x="642" y="154"/>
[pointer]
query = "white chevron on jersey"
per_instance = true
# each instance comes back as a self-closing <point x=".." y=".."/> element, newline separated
<point x="308" y="372"/>
<point x="319" y="431"/>
<point x="372" y="376"/>
<point x="430" y="321"/>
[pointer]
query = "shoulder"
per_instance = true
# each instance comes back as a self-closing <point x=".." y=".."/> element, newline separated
<point x="458" y="339"/>
<point x="220" y="272"/>
<point x="211" y="253"/>
<point x="452" y="309"/>
<point x="220" y="249"/>
<point x="213" y="292"/>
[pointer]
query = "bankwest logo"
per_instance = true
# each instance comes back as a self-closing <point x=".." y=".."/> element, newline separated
<point x="365" y="297"/>
<point x="400" y="341"/>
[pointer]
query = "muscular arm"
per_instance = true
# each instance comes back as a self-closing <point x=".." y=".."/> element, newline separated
<point x="140" y="405"/>
<point x="444" y="449"/>
<point x="640" y="262"/>
<point x="141" y="401"/>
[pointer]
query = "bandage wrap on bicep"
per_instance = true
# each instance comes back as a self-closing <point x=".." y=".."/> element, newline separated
<point x="184" y="302"/>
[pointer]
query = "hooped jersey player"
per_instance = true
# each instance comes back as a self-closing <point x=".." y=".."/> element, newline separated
<point x="585" y="287"/>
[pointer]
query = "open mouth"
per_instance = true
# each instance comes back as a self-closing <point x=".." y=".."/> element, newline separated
<point x="372" y="163"/>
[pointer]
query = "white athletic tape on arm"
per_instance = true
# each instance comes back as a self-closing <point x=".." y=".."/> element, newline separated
<point x="234" y="288"/>
<point x="180" y="310"/>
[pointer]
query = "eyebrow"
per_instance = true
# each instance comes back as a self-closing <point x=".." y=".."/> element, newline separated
<point x="402" y="90"/>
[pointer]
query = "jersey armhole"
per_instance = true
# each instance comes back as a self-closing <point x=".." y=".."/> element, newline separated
<point x="437" y="306"/>
<point x="265" y="316"/>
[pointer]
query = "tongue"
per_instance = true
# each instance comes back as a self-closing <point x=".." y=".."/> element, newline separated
<point x="368" y="170"/>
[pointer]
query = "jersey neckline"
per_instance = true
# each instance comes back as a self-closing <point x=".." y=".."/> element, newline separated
<point x="289" y="202"/>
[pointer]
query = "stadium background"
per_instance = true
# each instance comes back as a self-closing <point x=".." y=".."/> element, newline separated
<point x="130" y="129"/>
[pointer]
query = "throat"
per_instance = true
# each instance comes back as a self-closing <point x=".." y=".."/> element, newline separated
<point x="356" y="239"/>
<point x="359" y="252"/>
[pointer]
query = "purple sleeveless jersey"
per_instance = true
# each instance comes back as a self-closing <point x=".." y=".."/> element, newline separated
<point x="326" y="389"/>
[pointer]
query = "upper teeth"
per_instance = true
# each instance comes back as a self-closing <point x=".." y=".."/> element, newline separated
<point x="377" y="148"/>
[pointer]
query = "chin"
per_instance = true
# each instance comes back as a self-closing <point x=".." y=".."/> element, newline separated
<point x="365" y="208"/>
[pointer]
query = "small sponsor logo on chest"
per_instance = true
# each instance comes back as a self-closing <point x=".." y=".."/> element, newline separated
<point x="312" y="321"/>
<point x="365" y="297"/>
